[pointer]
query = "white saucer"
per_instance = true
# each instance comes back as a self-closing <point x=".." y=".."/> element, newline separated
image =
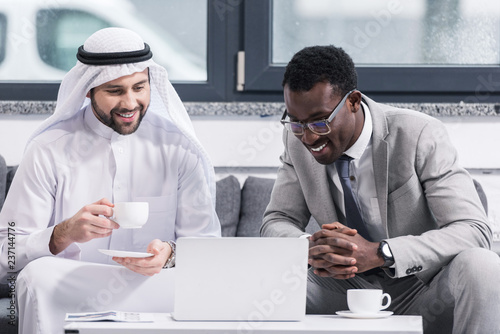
<point x="349" y="314"/>
<point x="118" y="253"/>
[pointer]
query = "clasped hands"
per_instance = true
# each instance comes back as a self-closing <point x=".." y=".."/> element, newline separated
<point x="93" y="221"/>
<point x="339" y="252"/>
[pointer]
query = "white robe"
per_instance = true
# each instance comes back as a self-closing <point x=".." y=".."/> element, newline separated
<point x="78" y="162"/>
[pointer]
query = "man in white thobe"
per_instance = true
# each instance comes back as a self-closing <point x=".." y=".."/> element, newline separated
<point x="119" y="133"/>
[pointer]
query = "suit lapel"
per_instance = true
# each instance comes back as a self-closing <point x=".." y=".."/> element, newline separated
<point x="380" y="156"/>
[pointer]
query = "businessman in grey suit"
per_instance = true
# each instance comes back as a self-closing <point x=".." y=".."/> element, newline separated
<point x="422" y="236"/>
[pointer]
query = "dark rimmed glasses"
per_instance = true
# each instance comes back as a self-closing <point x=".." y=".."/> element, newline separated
<point x="320" y="127"/>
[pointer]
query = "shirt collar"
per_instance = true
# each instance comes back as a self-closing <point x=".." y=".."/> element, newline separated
<point x="359" y="147"/>
<point x="96" y="125"/>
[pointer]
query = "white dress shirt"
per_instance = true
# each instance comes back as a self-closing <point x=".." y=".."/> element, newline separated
<point x="80" y="161"/>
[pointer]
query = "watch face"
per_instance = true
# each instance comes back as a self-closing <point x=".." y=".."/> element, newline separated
<point x="386" y="251"/>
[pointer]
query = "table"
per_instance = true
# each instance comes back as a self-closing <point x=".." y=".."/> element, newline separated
<point x="311" y="324"/>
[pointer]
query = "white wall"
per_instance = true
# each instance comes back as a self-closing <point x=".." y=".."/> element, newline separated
<point x="14" y="133"/>
<point x="256" y="142"/>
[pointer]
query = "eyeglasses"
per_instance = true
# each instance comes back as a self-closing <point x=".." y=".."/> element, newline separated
<point x="320" y="127"/>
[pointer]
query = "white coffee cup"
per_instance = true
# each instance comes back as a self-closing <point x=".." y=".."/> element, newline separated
<point x="368" y="301"/>
<point x="131" y="214"/>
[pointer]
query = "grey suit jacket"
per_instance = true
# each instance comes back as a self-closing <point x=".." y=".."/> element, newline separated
<point x="428" y="203"/>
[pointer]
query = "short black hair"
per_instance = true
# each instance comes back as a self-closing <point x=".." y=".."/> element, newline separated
<point x="315" y="64"/>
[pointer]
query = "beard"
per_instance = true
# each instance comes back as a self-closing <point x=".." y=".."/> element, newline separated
<point x="119" y="127"/>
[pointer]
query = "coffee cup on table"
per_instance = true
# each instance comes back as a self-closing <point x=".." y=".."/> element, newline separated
<point x="367" y="301"/>
<point x="131" y="214"/>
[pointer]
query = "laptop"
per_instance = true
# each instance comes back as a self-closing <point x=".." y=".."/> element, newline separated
<point x="240" y="279"/>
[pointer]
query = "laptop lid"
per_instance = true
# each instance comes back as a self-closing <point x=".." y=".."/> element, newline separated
<point x="240" y="279"/>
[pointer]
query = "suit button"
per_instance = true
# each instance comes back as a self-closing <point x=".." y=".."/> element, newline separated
<point x="419" y="268"/>
<point x="408" y="271"/>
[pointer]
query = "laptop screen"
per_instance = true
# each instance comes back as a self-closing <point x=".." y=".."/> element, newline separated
<point x="241" y="279"/>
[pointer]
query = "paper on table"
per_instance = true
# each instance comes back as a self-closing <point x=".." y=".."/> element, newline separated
<point x="110" y="316"/>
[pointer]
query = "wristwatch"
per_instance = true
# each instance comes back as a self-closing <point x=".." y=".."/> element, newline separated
<point x="171" y="259"/>
<point x="384" y="251"/>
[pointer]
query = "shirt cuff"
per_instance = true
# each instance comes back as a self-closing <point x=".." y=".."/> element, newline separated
<point x="37" y="245"/>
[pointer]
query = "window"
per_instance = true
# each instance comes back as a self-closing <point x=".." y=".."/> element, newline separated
<point x="44" y="36"/>
<point x="404" y="51"/>
<point x="182" y="30"/>
<point x="394" y="32"/>
<point x="432" y="50"/>
<point x="177" y="35"/>
<point x="61" y="32"/>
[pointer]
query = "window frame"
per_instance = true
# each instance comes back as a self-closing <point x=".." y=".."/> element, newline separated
<point x="477" y="84"/>
<point x="245" y="25"/>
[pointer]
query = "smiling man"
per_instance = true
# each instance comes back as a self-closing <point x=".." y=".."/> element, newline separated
<point x="395" y="210"/>
<point x="119" y="133"/>
<point x="124" y="115"/>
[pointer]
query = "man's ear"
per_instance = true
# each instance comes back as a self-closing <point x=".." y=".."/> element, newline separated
<point x="89" y="93"/>
<point x="355" y="100"/>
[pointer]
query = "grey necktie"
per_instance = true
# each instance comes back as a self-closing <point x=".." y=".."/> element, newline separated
<point x="353" y="216"/>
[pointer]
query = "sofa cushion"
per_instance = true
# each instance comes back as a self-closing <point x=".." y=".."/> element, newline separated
<point x="6" y="318"/>
<point x="11" y="172"/>
<point x="227" y="205"/>
<point x="255" y="196"/>
<point x="4" y="290"/>
<point x="3" y="180"/>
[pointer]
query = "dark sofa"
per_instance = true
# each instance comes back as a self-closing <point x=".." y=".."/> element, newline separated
<point x="7" y="315"/>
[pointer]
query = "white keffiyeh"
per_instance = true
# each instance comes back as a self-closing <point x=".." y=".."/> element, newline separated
<point x="165" y="102"/>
